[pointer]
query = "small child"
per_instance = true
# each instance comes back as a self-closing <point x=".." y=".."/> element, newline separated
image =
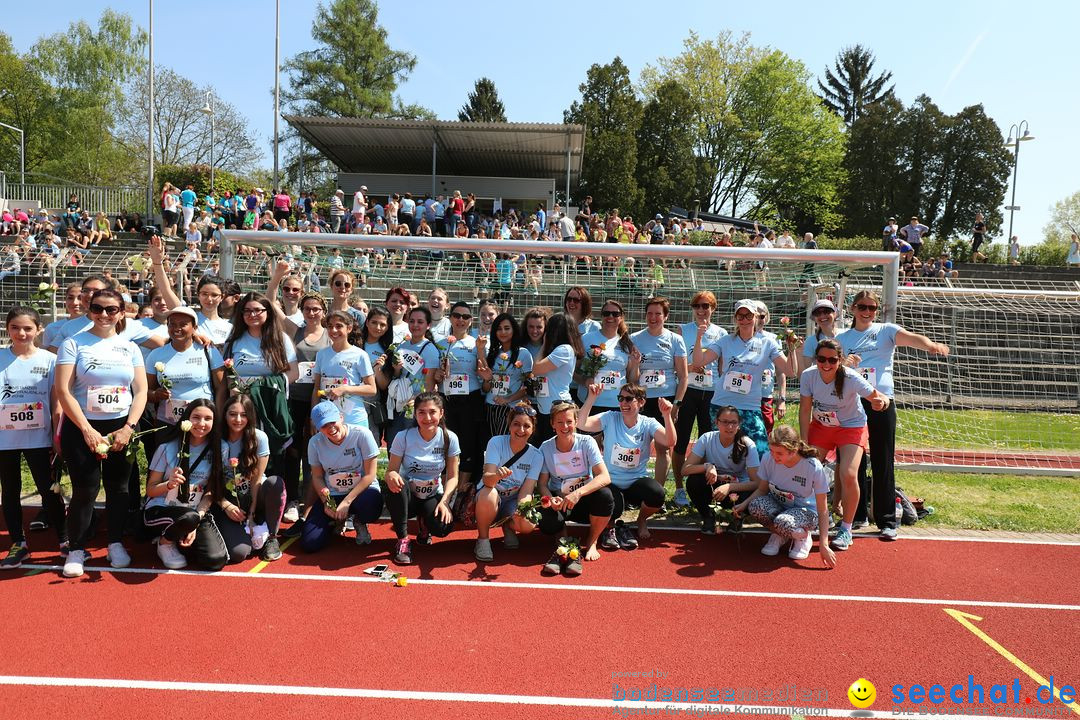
<point x="534" y="277"/>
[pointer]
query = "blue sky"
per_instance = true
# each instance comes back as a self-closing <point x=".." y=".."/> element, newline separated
<point x="1018" y="59"/>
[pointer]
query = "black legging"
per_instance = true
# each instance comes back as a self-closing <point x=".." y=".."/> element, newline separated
<point x="87" y="473"/>
<point x="464" y="417"/>
<point x="599" y="503"/>
<point x="403" y="505"/>
<point x="175" y="522"/>
<point x="295" y="464"/>
<point x="695" y="406"/>
<point x="645" y="491"/>
<point x="544" y="430"/>
<point x="701" y="496"/>
<point x="881" y="427"/>
<point x="11" y="491"/>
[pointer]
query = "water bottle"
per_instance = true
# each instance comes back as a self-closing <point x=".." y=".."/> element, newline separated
<point x="899" y="512"/>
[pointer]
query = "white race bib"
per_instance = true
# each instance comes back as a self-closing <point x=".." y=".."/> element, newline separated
<point x="543" y="391"/>
<point x="624" y="457"/>
<point x="571" y="485"/>
<point x="781" y="495"/>
<point x="738" y="382"/>
<point x="412" y="362"/>
<point x="702" y="380"/>
<point x="108" y="399"/>
<point x="500" y="385"/>
<point x="423" y="488"/>
<point x="767" y="377"/>
<point x="174" y="408"/>
<point x="826" y="418"/>
<point x="22" y="416"/>
<point x="653" y="378"/>
<point x="456" y="385"/>
<point x="194" y="495"/>
<point x="342" y="482"/>
<point x="570" y="464"/>
<point x="307" y="373"/>
<point x="869" y="375"/>
<point x="609" y="380"/>
<point x="241" y="485"/>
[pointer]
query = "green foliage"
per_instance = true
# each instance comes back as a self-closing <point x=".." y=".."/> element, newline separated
<point x="852" y="88"/>
<point x="666" y="171"/>
<point x="198" y="176"/>
<point x="611" y="114"/>
<point x="1064" y="219"/>
<point x="1050" y="252"/>
<point x="484" y="104"/>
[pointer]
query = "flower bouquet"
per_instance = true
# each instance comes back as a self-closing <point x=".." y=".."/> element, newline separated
<point x="594" y="361"/>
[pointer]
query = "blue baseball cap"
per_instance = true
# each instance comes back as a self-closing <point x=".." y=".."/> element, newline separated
<point x="325" y="412"/>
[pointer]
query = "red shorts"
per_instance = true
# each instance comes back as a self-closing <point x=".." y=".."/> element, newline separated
<point x="767" y="414"/>
<point x="831" y="438"/>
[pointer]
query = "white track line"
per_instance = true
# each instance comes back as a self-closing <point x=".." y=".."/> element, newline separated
<point x="903" y="537"/>
<point x="619" y="708"/>
<point x="701" y="592"/>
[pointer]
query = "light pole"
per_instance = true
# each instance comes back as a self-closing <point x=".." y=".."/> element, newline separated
<point x="22" y="151"/>
<point x="150" y="127"/>
<point x="1020" y="132"/>
<point x="208" y="109"/>
<point x="277" y="93"/>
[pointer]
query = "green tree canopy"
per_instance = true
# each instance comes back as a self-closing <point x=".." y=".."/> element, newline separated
<point x="666" y="169"/>
<point x="853" y="87"/>
<point x="484" y="104"/>
<point x="1064" y="219"/>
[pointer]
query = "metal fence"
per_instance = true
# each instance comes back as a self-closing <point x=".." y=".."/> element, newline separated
<point x="55" y="192"/>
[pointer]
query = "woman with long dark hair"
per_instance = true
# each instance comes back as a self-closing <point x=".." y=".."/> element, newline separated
<point x="506" y="365"/>
<point x="554" y="370"/>
<point x="376" y="340"/>
<point x="722" y="464"/>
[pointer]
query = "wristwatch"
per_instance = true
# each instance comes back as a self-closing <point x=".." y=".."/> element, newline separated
<point x="676" y="403"/>
<point x="133" y="426"/>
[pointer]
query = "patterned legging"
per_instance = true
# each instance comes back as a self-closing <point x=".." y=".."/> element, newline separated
<point x="787" y="522"/>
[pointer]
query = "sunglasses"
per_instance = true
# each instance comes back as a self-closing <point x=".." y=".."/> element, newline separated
<point x="573" y="299"/>
<point x="728" y="422"/>
<point x="866" y="308"/>
<point x="743" y="315"/>
<point x="109" y="310"/>
<point x="626" y="398"/>
<point x="611" y="313"/>
<point x="461" y="316"/>
<point x="340" y="284"/>
<point x="701" y="306"/>
<point x="827" y="360"/>
<point x="254" y="311"/>
<point x="523" y="409"/>
<point x="823" y="311"/>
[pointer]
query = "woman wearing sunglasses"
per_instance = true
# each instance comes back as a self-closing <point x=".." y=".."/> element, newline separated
<point x="871" y="346"/>
<point x="832" y="420"/>
<point x="628" y="440"/>
<point x="700" y="382"/>
<point x="461" y="355"/>
<point x="577" y="303"/>
<point x="511" y="469"/>
<point x="623" y="361"/>
<point x="720" y="467"/>
<point x="101" y="386"/>
<point x="744" y="355"/>
<point x="824" y="315"/>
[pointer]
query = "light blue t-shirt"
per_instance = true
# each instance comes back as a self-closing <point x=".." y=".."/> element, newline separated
<point x="248" y="360"/>
<point x="829" y="410"/>
<point x="136" y="332"/>
<point x="809" y="348"/>
<point x="423" y="462"/>
<point x="710" y="449"/>
<point x="875" y="346"/>
<point x="104" y="371"/>
<point x="217" y="330"/>
<point x="706" y="380"/>
<point x="556" y="384"/>
<point x="568" y="471"/>
<point x="658" y="353"/>
<point x="52" y="330"/>
<point x="768" y="375"/>
<point x="235" y="449"/>
<point x="612" y="376"/>
<point x="461" y="379"/>
<point x="25" y="400"/>
<point x="795" y="486"/>
<point x="587" y="326"/>
<point x="189" y="373"/>
<point x="506" y="373"/>
<point x="343" y="465"/>
<point x="441" y="328"/>
<point x="348" y="367"/>
<point x="742" y="364"/>
<point x="626" y="450"/>
<point x="527" y="467"/>
<point x="166" y="457"/>
<point x="416" y="358"/>
<point x="153" y="329"/>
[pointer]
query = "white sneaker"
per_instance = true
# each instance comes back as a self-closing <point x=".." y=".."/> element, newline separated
<point x="73" y="566"/>
<point x="259" y="535"/>
<point x="772" y="547"/>
<point x="800" y="549"/>
<point x="292" y="512"/>
<point x="482" y="551"/>
<point x="118" y="555"/>
<point x="171" y="556"/>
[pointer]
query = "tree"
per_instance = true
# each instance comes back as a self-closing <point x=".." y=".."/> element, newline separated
<point x="852" y="88"/>
<point x="1064" y="219"/>
<point x="875" y="149"/>
<point x="181" y="130"/>
<point x="611" y="114"/>
<point x="484" y="104"/>
<point x="666" y="169"/>
<point x="352" y="72"/>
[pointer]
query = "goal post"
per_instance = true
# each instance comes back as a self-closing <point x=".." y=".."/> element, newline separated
<point x="971" y="411"/>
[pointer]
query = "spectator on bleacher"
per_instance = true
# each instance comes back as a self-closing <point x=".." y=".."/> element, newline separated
<point x="72" y="211"/>
<point x="785" y="240"/>
<point x="282" y="206"/>
<point x="359" y="205"/>
<point x="188" y="198"/>
<point x="192" y="236"/>
<point x="121" y="222"/>
<point x="890" y="236"/>
<point x="1014" y="250"/>
<point x="871" y="346"/>
<point x="1074" y="251"/>
<point x="169" y="210"/>
<point x="100" y="228"/>
<point x="11" y="263"/>
<point x="914" y="232"/>
<point x="337" y="210"/>
<point x="379" y="227"/>
<point x="136" y="287"/>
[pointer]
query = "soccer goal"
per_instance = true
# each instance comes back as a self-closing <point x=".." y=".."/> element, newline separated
<point x="1007" y="399"/>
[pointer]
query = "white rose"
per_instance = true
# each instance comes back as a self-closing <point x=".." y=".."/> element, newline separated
<point x="159" y="366"/>
<point x="185" y="426"/>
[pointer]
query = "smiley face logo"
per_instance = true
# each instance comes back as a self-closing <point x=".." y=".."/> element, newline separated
<point x="862" y="693"/>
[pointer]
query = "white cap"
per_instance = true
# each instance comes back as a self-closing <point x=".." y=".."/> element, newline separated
<point x="751" y="305"/>
<point x="183" y="310"/>
<point x="823" y="304"/>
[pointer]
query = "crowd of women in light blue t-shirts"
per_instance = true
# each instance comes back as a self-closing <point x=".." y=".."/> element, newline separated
<point x="263" y="415"/>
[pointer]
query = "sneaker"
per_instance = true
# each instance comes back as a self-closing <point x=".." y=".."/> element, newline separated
<point x="294" y="530"/>
<point x="40" y="521"/>
<point x="73" y="566"/>
<point x="349" y="523"/>
<point x="363" y="535"/>
<point x="64" y="548"/>
<point x="482" y="551"/>
<point x="859" y="524"/>
<point x="292" y="512"/>
<point x="625" y="537"/>
<point x="800" y="549"/>
<point x="708" y="526"/>
<point x="118" y="555"/>
<point x="888" y="533"/>
<point x="608" y="541"/>
<point x="171" y="556"/>
<point x="573" y="568"/>
<point x="271" y="550"/>
<point x="772" y="547"/>
<point x="681" y="498"/>
<point x="259" y="535"/>
<point x="553" y="566"/>
<point x="510" y="539"/>
<point x="15" y="557"/>
<point x="843" y="539"/>
<point x="404" y="552"/>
